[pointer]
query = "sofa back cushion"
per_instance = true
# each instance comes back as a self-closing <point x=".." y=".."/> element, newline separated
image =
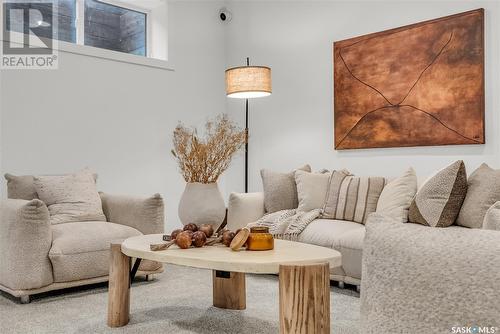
<point x="438" y="201"/>
<point x="70" y="198"/>
<point x="351" y="197"/>
<point x="280" y="190"/>
<point x="397" y="195"/>
<point x="23" y="186"/>
<point x="311" y="189"/>
<point x="483" y="192"/>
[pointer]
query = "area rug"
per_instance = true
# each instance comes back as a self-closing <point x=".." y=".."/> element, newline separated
<point x="177" y="301"/>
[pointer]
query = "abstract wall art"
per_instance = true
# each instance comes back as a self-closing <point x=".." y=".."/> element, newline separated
<point x="417" y="85"/>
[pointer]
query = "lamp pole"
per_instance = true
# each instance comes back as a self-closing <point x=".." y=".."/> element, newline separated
<point x="246" y="141"/>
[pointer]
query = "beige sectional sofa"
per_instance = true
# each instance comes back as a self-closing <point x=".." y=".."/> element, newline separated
<point x="38" y="257"/>
<point x="419" y="279"/>
<point x="344" y="236"/>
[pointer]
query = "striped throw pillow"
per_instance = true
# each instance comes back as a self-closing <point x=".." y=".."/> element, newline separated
<point x="351" y="197"/>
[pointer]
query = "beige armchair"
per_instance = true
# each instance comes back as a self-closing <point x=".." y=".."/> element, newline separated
<point x="39" y="257"/>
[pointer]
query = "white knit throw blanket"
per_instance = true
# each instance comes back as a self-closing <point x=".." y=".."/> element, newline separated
<point x="287" y="224"/>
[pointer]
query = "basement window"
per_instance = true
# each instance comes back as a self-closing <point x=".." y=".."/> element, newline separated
<point x="115" y="28"/>
<point x="65" y="15"/>
<point x="123" y="30"/>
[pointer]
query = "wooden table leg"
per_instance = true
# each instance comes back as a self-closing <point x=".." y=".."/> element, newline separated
<point x="304" y="299"/>
<point x="119" y="287"/>
<point x="229" y="290"/>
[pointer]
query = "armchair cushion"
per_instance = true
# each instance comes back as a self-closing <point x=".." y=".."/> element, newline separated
<point x="145" y="214"/>
<point x="70" y="198"/>
<point x="81" y="249"/>
<point x="23" y="186"/>
<point x="25" y="239"/>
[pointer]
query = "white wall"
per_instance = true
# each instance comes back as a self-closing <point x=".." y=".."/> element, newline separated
<point x="295" y="125"/>
<point x="116" y="118"/>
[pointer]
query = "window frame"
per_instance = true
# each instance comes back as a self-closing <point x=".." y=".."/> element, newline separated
<point x="91" y="51"/>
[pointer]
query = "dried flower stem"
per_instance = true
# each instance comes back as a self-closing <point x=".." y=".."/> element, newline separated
<point x="205" y="159"/>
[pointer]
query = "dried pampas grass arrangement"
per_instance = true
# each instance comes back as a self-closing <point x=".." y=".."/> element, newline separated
<point x="205" y="159"/>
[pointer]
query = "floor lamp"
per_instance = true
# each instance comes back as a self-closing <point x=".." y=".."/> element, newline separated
<point x="247" y="82"/>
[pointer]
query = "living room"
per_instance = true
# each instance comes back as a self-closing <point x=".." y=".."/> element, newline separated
<point x="114" y="114"/>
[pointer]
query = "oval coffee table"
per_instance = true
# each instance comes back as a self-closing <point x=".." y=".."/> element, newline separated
<point x="304" y="278"/>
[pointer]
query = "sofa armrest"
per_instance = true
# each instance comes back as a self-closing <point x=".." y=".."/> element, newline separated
<point x="25" y="241"/>
<point x="146" y="214"/>
<point x="244" y="208"/>
<point x="492" y="218"/>
<point x="420" y="279"/>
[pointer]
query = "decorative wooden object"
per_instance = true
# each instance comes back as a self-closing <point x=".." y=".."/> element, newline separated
<point x="304" y="299"/>
<point x="239" y="239"/>
<point x="229" y="290"/>
<point x="119" y="288"/>
<point x="162" y="246"/>
<point x="416" y="85"/>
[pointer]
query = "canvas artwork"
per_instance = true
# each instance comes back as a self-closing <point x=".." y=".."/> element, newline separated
<point x="417" y="85"/>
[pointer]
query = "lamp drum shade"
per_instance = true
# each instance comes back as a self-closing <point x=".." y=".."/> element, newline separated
<point x="246" y="82"/>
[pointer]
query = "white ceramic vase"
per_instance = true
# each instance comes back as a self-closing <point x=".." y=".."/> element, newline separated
<point x="202" y="204"/>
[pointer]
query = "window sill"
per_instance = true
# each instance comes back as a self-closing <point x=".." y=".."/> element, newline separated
<point x="90" y="51"/>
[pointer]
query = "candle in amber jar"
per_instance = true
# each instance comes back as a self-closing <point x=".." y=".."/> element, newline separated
<point x="260" y="239"/>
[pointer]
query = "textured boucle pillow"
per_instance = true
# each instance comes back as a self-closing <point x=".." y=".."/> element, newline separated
<point x="23" y="186"/>
<point x="280" y="190"/>
<point x="311" y="189"/>
<point x="351" y="197"/>
<point x="70" y="198"/>
<point x="397" y="195"/>
<point x="483" y="192"/>
<point x="440" y="198"/>
<point x="492" y="218"/>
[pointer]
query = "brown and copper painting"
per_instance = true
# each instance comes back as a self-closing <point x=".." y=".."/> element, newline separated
<point x="417" y="85"/>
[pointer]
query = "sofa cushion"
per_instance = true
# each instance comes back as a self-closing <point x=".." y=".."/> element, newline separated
<point x="492" y="218"/>
<point x="438" y="201"/>
<point x="326" y="232"/>
<point x="397" y="195"/>
<point x="311" y="189"/>
<point x="352" y="198"/>
<point x="350" y="245"/>
<point x="483" y="192"/>
<point x="81" y="249"/>
<point x="70" y="198"/>
<point x="280" y="189"/>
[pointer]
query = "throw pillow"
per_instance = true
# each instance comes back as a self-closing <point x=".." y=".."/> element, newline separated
<point x="397" y="195"/>
<point x="438" y="201"/>
<point x="280" y="190"/>
<point x="311" y="189"/>
<point x="70" y="198"/>
<point x="23" y="186"/>
<point x="352" y="198"/>
<point x="483" y="192"/>
<point x="492" y="218"/>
